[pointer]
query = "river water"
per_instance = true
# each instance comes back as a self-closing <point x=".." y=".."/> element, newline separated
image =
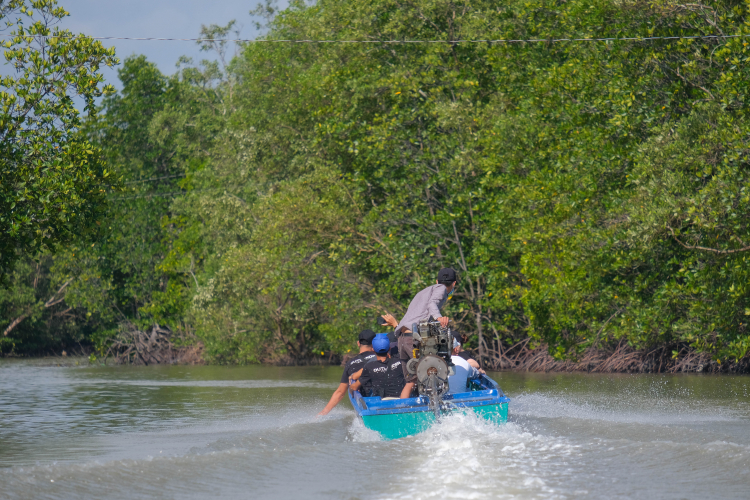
<point x="251" y="432"/>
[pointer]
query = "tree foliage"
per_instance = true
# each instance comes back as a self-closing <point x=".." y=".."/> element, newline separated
<point x="590" y="193"/>
<point x="541" y="171"/>
<point x="53" y="182"/>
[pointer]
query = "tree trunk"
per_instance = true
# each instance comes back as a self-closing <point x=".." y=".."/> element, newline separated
<point x="15" y="323"/>
<point x="53" y="301"/>
<point x="480" y="333"/>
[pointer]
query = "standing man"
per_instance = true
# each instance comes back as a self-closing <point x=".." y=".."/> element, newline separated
<point x="353" y="365"/>
<point x="426" y="304"/>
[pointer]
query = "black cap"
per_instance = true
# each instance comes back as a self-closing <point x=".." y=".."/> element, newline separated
<point x="458" y="336"/>
<point x="366" y="336"/>
<point x="446" y="274"/>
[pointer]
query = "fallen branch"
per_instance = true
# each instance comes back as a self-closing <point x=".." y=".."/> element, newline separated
<point x="152" y="347"/>
<point x="53" y="301"/>
<point x="15" y="323"/>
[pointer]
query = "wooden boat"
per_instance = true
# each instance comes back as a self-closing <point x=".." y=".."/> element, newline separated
<point x="397" y="418"/>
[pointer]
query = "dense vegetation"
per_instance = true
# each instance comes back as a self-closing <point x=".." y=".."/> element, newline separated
<point x="591" y="194"/>
<point x="52" y="178"/>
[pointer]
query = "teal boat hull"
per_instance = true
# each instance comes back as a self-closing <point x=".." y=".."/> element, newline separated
<point x="398" y="418"/>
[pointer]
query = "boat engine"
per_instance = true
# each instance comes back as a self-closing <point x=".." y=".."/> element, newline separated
<point x="432" y="360"/>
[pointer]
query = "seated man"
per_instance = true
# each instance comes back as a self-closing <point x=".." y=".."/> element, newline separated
<point x="426" y="304"/>
<point x="352" y="366"/>
<point x="464" y="371"/>
<point x="381" y="376"/>
<point x="462" y="352"/>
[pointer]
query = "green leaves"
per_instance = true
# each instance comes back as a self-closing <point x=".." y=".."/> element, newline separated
<point x="153" y="136"/>
<point x="52" y="181"/>
<point x="590" y="194"/>
<point x="542" y="171"/>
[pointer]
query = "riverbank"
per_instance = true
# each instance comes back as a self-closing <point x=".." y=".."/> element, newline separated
<point x="517" y="358"/>
<point x="620" y="359"/>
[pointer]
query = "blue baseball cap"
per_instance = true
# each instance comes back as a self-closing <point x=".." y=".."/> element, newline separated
<point x="381" y="344"/>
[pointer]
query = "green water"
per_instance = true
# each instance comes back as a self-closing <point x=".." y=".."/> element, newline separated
<point x="251" y="432"/>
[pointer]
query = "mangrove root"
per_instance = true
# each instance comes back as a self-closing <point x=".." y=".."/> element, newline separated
<point x="619" y="359"/>
<point x="158" y="345"/>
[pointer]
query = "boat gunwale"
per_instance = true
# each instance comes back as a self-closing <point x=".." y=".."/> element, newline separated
<point x="490" y="396"/>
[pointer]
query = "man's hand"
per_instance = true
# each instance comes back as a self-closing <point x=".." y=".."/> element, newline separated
<point x="443" y="321"/>
<point x="390" y="320"/>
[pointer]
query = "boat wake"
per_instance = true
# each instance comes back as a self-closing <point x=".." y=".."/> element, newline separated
<point x="623" y="410"/>
<point x="465" y="456"/>
<point x="358" y="433"/>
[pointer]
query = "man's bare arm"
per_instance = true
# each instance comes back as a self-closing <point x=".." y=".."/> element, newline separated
<point x="357" y="374"/>
<point x="406" y="392"/>
<point x="336" y="398"/>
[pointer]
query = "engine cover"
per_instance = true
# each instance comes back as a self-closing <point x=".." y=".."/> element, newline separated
<point x="431" y="365"/>
<point x="432" y="361"/>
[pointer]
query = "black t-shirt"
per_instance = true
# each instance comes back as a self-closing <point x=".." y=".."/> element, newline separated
<point x="356" y="364"/>
<point x="383" y="378"/>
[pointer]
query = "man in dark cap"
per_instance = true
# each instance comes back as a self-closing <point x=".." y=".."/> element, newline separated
<point x="426" y="304"/>
<point x="352" y="366"/>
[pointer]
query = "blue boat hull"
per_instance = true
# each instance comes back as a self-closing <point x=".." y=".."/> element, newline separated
<point x="399" y="418"/>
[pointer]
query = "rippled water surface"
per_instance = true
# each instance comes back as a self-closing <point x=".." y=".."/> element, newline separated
<point x="251" y="432"/>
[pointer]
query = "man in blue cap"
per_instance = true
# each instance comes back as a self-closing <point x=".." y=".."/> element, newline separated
<point x="352" y="366"/>
<point x="383" y="375"/>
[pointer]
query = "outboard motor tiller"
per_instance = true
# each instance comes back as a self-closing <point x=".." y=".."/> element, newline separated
<point x="432" y="360"/>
